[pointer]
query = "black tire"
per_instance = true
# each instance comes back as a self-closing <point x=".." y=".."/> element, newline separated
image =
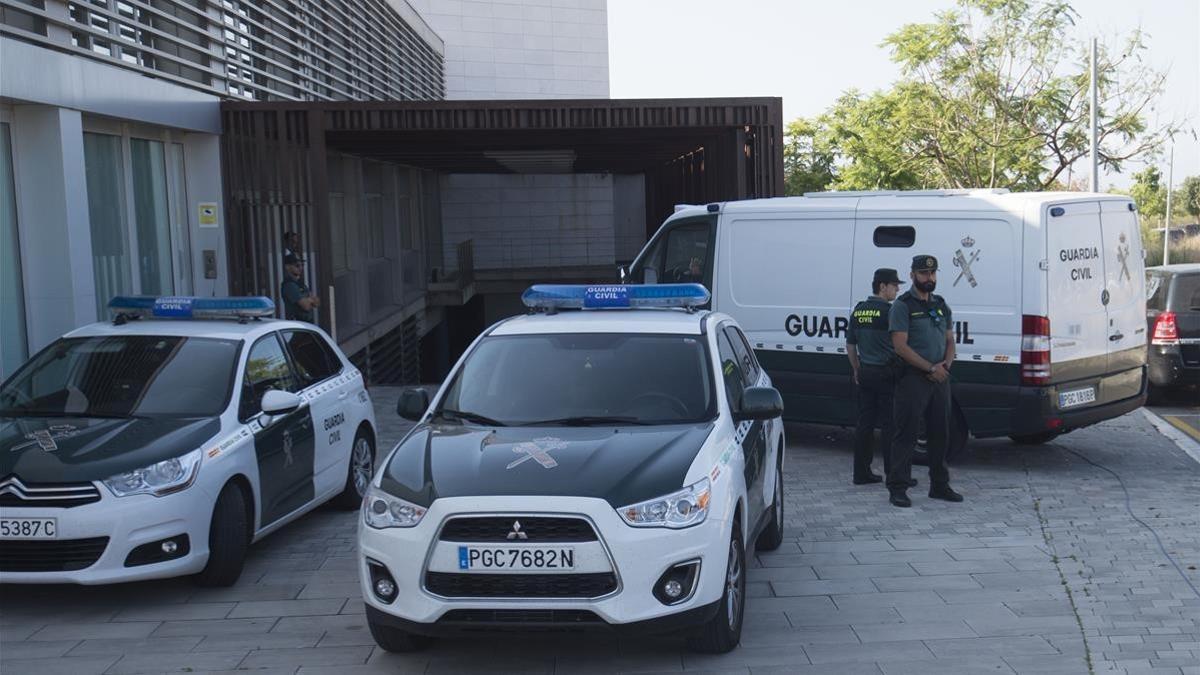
<point x="956" y="444"/>
<point x="362" y="458"/>
<point x="393" y="639"/>
<point x="772" y="535"/>
<point x="1035" y="439"/>
<point x="1156" y="395"/>
<point x="723" y="631"/>
<point x="228" y="539"/>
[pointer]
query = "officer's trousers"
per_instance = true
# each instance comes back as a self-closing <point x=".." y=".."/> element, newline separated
<point x="875" y="408"/>
<point x="917" y="396"/>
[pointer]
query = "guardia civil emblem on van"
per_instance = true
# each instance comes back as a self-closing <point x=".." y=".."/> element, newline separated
<point x="1123" y="258"/>
<point x="963" y="262"/>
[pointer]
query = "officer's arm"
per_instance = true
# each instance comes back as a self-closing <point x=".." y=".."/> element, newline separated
<point x="951" y="350"/>
<point x="852" y="354"/>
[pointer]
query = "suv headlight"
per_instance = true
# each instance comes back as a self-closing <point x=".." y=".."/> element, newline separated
<point x="158" y="479"/>
<point x="677" y="510"/>
<point x="381" y="510"/>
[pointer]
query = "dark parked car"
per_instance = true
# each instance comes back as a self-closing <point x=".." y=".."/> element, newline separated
<point x="1173" y="328"/>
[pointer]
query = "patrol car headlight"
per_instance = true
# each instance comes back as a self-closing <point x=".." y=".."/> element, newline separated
<point x="677" y="510"/>
<point x="158" y="479"/>
<point x="381" y="510"/>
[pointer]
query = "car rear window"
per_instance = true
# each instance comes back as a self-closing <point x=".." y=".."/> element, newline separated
<point x="1185" y="293"/>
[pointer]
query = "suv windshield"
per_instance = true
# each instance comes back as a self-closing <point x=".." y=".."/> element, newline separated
<point x="591" y="378"/>
<point x="125" y="376"/>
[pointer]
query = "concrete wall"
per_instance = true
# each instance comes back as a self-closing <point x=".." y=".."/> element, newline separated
<point x="522" y="49"/>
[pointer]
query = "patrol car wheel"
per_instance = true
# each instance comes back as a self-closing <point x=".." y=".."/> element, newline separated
<point x="393" y="639"/>
<point x="772" y="535"/>
<point x="723" y="631"/>
<point x="359" y="473"/>
<point x="228" y="539"/>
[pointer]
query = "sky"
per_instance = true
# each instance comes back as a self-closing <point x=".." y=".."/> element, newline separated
<point x="809" y="52"/>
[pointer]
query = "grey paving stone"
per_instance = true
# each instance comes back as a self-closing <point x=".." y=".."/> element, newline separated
<point x="844" y="546"/>
<point x="179" y="612"/>
<point x="823" y="669"/>
<point x="1017" y="581"/>
<point x="1046" y="663"/>
<point x="341" y="589"/>
<point x="799" y="573"/>
<point x="330" y="656"/>
<point x="792" y="603"/>
<point x="786" y="588"/>
<point x="909" y="556"/>
<point x="893" y="599"/>
<point x="919" y="630"/>
<point x="1003" y="626"/>
<point x="962" y="567"/>
<point x="215" y="627"/>
<point x="912" y="650"/>
<point x="1000" y="553"/>
<point x="984" y="611"/>
<point x="373" y="669"/>
<point x="88" y="665"/>
<point x="176" y="663"/>
<point x="287" y="608"/>
<point x="120" y="646"/>
<point x="843" y="617"/>
<point x="12" y="650"/>
<point x="253" y="641"/>
<point x="808" y="559"/>
<point x="968" y="648"/>
<point x="95" y="631"/>
<point x="748" y="657"/>
<point x="863" y="571"/>
<point x="250" y="592"/>
<point x="975" y="666"/>
<point x="943" y="582"/>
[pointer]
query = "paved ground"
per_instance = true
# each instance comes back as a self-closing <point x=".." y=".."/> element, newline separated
<point x="1042" y="569"/>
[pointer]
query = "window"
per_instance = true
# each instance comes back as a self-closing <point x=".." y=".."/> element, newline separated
<point x="152" y="218"/>
<point x="895" y="236"/>
<point x="745" y="355"/>
<point x="266" y="369"/>
<point x="313" y="358"/>
<point x="14" y="346"/>
<point x="111" y="266"/>
<point x="144" y="375"/>
<point x="730" y="370"/>
<point x="1185" y="296"/>
<point x="681" y="256"/>
<point x="1156" y="291"/>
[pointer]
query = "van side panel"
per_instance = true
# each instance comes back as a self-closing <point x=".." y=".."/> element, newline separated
<point x="786" y="279"/>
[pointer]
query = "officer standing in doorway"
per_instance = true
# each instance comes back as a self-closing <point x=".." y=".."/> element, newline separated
<point x="869" y="348"/>
<point x="923" y="337"/>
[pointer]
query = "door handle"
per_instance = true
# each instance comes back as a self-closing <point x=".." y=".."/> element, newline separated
<point x="1116" y="337"/>
<point x="342" y="396"/>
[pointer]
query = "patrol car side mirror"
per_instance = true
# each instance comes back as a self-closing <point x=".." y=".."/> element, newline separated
<point x="277" y="402"/>
<point x="759" y="403"/>
<point x="622" y="274"/>
<point x="412" y="404"/>
<point x="649" y="275"/>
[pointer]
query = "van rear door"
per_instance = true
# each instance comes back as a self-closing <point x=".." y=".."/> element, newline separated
<point x="1124" y="280"/>
<point x="1075" y="286"/>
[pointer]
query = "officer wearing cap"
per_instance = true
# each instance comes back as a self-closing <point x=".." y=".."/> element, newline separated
<point x="869" y="348"/>
<point x="298" y="301"/>
<point x="923" y="337"/>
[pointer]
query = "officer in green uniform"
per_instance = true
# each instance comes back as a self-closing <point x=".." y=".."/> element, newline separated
<point x="869" y="348"/>
<point x="298" y="301"/>
<point x="923" y="337"/>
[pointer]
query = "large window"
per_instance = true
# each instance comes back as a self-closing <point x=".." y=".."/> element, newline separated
<point x="106" y="212"/>
<point x="13" y="339"/>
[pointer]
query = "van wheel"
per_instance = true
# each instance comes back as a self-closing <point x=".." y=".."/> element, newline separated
<point x="956" y="444"/>
<point x="772" y="535"/>
<point x="1035" y="439"/>
<point x="393" y="639"/>
<point x="723" y="632"/>
<point x="228" y="539"/>
<point x="359" y="473"/>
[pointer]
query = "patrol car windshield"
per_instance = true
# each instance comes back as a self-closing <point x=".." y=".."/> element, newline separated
<point x="124" y="376"/>
<point x="583" y="379"/>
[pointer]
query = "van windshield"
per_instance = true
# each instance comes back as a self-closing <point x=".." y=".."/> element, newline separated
<point x="124" y="376"/>
<point x="591" y="378"/>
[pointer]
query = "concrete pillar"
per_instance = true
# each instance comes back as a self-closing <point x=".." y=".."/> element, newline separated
<point x="56" y="237"/>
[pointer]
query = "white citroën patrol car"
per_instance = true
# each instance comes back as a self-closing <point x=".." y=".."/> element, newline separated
<point x="166" y="441"/>
<point x="600" y="468"/>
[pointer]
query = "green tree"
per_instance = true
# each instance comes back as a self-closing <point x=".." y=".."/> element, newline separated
<point x="807" y="157"/>
<point x="1189" y="196"/>
<point x="1150" y="195"/>
<point x="993" y="94"/>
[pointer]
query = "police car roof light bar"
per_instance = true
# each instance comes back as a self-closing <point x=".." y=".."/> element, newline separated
<point x="552" y="297"/>
<point x="187" y="307"/>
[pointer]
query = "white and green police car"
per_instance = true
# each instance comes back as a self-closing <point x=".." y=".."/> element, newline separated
<point x="603" y="468"/>
<point x="166" y="441"/>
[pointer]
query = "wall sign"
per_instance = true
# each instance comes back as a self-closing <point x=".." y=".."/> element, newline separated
<point x="208" y="214"/>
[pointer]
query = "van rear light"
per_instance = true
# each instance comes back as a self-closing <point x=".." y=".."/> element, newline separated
<point x="1166" y="331"/>
<point x="1035" y="350"/>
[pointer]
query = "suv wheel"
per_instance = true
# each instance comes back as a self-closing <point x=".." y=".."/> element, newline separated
<point x="723" y="631"/>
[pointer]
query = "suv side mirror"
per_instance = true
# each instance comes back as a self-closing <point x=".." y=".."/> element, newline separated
<point x="276" y="402"/>
<point x="412" y="404"/>
<point x="759" y="403"/>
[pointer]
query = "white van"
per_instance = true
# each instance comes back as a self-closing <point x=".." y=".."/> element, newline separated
<point x="1047" y="290"/>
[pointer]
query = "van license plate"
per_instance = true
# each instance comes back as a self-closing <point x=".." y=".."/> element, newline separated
<point x="1070" y="399"/>
<point x="28" y="528"/>
<point x="472" y="558"/>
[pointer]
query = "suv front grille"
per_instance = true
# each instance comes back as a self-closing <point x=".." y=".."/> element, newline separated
<point x="566" y="617"/>
<point x="451" y="585"/>
<point x="537" y="529"/>
<point x="15" y="493"/>
<point x="61" y="555"/>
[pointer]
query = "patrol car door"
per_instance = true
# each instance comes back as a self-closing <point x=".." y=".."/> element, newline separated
<point x="283" y="444"/>
<point x="750" y="434"/>
<point x="318" y="369"/>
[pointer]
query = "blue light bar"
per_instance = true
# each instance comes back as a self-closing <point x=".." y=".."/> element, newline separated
<point x="188" y="307"/>
<point x="553" y="296"/>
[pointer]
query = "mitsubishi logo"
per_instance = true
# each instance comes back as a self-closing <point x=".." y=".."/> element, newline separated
<point x="538" y="449"/>
<point x="516" y="531"/>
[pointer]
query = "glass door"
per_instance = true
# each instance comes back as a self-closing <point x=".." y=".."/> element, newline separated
<point x="14" y="346"/>
<point x="111" y="263"/>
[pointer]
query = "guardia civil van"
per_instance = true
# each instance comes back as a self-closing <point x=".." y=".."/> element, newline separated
<point x="164" y="442"/>
<point x="605" y="467"/>
<point x="1047" y="290"/>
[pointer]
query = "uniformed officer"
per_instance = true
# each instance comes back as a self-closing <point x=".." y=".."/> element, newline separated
<point x="298" y="301"/>
<point x="869" y="348"/>
<point x="923" y="337"/>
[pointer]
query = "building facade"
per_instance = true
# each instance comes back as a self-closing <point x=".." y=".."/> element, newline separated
<point x="110" y="124"/>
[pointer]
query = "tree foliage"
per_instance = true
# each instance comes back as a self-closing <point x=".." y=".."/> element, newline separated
<point x="992" y="94"/>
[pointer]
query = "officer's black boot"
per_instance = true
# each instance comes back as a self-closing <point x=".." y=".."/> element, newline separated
<point x="899" y="498"/>
<point x="944" y="492"/>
